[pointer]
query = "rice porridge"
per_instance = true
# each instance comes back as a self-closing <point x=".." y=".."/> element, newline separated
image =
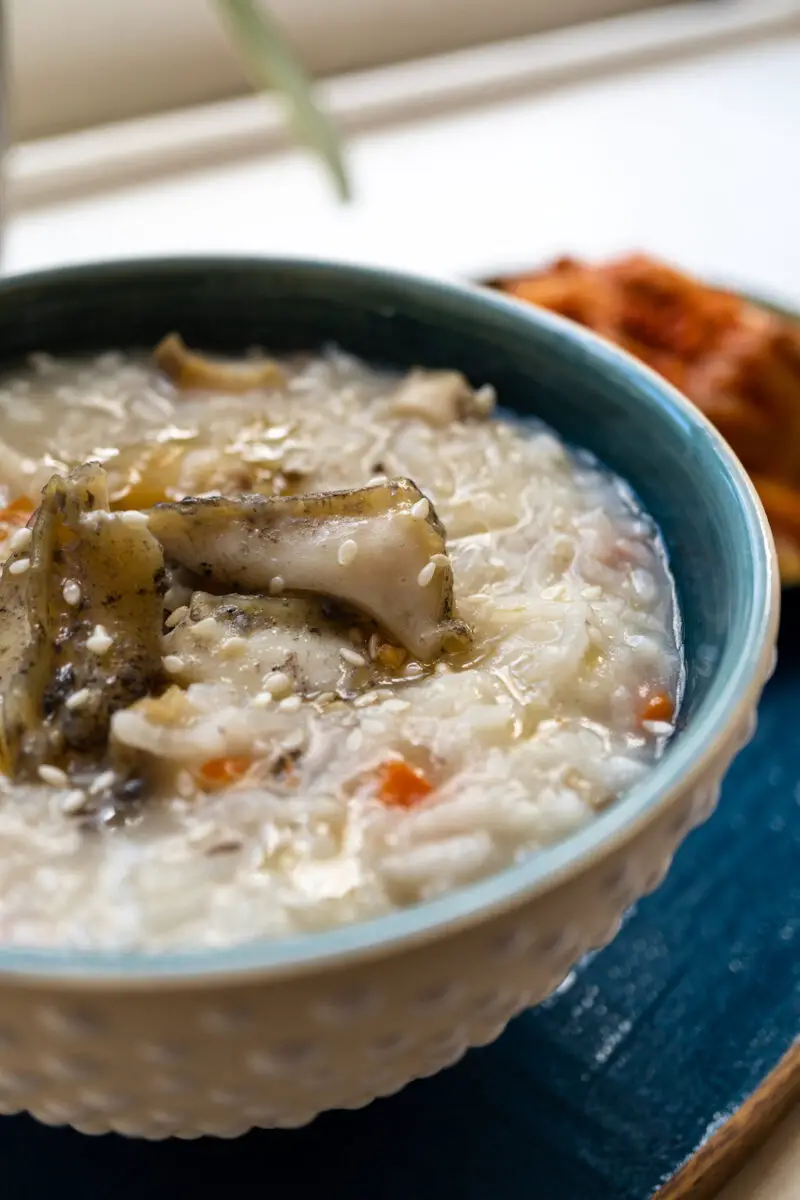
<point x="288" y="644"/>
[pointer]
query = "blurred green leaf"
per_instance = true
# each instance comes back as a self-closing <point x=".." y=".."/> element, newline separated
<point x="272" y="64"/>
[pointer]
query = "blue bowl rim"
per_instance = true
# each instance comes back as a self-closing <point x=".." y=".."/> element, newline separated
<point x="735" y="691"/>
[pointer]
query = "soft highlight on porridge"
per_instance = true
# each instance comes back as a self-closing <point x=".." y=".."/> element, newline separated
<point x="289" y="644"/>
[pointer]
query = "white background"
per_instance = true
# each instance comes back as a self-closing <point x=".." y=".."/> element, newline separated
<point x="698" y="161"/>
<point x="79" y="62"/>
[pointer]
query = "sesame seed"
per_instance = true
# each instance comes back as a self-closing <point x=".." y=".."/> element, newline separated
<point x="421" y="509"/>
<point x="365" y="700"/>
<point x="347" y="552"/>
<point x="395" y="706"/>
<point x="99" y="642"/>
<point x="291" y="704"/>
<point x="412" y="669"/>
<point x="175" y="618"/>
<point x="73" y="802"/>
<point x="354" y="740"/>
<point x="326" y="697"/>
<point x="233" y="647"/>
<point x="426" y="574"/>
<point x="276" y="585"/>
<point x="20" y="540"/>
<point x="658" y="728"/>
<point x="374" y="645"/>
<point x="352" y="657"/>
<point x="277" y="433"/>
<point x="206" y="630"/>
<point x="377" y="480"/>
<point x="262" y="700"/>
<point x="103" y="781"/>
<point x="293" y="739"/>
<point x="52" y="775"/>
<point x="185" y="785"/>
<point x="277" y="683"/>
<point x="177" y="595"/>
<point x="441" y="560"/>
<point x="173" y="663"/>
<point x="132" y="516"/>
<point x="201" y="833"/>
<point x="19" y="567"/>
<point x="71" y="591"/>
<point x="77" y="699"/>
<point x="371" y="725"/>
<point x="485" y="399"/>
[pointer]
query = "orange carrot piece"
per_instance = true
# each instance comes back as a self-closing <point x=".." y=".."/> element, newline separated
<point x="400" y="786"/>
<point x="658" y="706"/>
<point x="218" y="772"/>
<point x="18" y="511"/>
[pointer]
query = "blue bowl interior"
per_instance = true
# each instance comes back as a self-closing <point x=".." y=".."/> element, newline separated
<point x="591" y="394"/>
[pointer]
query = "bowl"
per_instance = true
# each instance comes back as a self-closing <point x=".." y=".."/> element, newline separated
<point x="214" y="1041"/>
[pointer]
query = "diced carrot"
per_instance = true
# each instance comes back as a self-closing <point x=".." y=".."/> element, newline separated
<point x="17" y="512"/>
<point x="657" y="706"/>
<point x="218" y="772"/>
<point x="401" y="786"/>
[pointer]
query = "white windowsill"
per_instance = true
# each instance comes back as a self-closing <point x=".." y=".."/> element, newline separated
<point x="695" y="160"/>
<point x="55" y="169"/>
<point x="115" y="60"/>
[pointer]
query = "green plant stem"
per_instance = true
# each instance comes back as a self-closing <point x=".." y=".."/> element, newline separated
<point x="273" y="65"/>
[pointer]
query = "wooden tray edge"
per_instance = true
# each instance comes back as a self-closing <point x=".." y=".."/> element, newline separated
<point x="722" y="1155"/>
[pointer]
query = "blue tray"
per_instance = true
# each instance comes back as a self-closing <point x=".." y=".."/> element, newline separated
<point x="599" y="1094"/>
